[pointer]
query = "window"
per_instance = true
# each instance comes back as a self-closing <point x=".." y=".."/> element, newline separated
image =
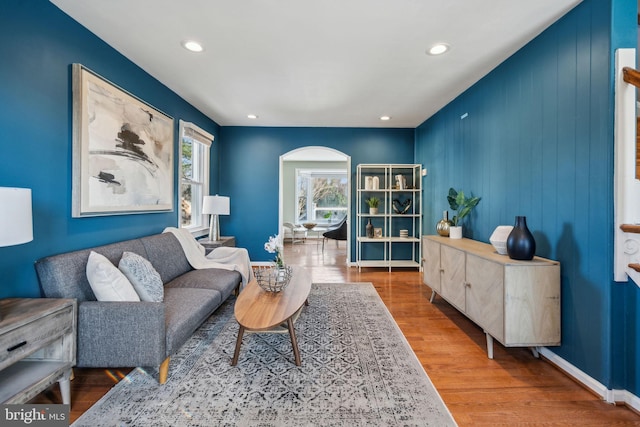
<point x="321" y="195"/>
<point x="195" y="145"/>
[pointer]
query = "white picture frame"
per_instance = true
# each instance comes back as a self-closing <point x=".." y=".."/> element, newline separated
<point x="122" y="150"/>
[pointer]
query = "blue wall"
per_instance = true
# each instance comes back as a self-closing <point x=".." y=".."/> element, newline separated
<point x="38" y="44"/>
<point x="249" y="172"/>
<point x="538" y="141"/>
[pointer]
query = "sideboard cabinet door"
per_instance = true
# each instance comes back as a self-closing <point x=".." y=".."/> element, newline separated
<point x="485" y="295"/>
<point x="431" y="264"/>
<point x="452" y="286"/>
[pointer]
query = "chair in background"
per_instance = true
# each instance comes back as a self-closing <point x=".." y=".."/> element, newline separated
<point x="339" y="232"/>
<point x="297" y="234"/>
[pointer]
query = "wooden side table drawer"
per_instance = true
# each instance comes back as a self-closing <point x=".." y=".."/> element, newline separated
<point x="37" y="347"/>
<point x="30" y="337"/>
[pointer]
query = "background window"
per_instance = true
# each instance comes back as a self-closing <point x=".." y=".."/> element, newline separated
<point x="195" y="146"/>
<point x="321" y="195"/>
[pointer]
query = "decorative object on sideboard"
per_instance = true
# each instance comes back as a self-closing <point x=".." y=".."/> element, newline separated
<point x="401" y="207"/>
<point x="463" y="207"/>
<point x="369" y="229"/>
<point x="215" y="206"/>
<point x="442" y="227"/>
<point x="499" y="238"/>
<point x="520" y="244"/>
<point x="16" y="220"/>
<point x="309" y="225"/>
<point x="373" y="203"/>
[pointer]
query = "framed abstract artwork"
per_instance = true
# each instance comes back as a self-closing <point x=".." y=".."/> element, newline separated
<point x="122" y="150"/>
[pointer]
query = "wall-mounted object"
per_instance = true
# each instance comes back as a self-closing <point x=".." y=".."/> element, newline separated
<point x="122" y="150"/>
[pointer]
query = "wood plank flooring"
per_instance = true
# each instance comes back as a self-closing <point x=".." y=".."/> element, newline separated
<point x="512" y="389"/>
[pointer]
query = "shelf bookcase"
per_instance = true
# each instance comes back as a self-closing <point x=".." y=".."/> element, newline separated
<point x="388" y="249"/>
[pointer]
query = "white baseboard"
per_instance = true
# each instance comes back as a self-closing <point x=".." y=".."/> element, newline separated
<point x="610" y="396"/>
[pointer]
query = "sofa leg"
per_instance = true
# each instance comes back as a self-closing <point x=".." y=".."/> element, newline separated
<point x="164" y="371"/>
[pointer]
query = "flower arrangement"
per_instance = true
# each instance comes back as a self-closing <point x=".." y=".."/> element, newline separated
<point x="274" y="246"/>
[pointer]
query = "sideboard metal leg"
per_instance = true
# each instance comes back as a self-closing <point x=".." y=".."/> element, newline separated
<point x="535" y="352"/>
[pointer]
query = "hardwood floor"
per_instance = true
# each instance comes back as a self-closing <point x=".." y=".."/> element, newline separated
<point x="512" y="389"/>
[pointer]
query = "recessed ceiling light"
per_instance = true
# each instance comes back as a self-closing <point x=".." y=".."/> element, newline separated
<point x="385" y="118"/>
<point x="252" y="116"/>
<point x="193" y="46"/>
<point x="438" y="49"/>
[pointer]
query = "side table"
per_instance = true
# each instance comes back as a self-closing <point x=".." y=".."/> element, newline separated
<point x="37" y="347"/>
<point x="210" y="245"/>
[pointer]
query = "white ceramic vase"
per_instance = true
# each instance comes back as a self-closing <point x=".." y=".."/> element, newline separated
<point x="455" y="232"/>
<point x="373" y="211"/>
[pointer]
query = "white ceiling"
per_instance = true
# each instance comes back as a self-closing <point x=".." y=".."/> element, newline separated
<point x="330" y="63"/>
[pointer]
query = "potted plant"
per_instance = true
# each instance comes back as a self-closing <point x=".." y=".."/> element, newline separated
<point x="463" y="207"/>
<point x="373" y="205"/>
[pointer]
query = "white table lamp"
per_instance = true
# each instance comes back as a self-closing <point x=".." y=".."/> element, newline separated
<point x="214" y="206"/>
<point x="16" y="223"/>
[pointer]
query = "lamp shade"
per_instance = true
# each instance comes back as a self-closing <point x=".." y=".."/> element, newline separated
<point x="216" y="205"/>
<point x="16" y="223"/>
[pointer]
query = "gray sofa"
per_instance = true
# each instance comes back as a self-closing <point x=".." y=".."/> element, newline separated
<point x="131" y="334"/>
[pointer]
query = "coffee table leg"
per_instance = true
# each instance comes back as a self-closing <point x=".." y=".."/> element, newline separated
<point x="238" y="344"/>
<point x="294" y="341"/>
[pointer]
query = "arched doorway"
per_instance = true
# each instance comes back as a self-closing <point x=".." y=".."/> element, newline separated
<point x="310" y="158"/>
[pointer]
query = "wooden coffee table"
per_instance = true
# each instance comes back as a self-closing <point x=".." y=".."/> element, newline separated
<point x="257" y="310"/>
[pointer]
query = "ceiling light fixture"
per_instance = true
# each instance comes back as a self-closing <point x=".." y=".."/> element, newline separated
<point x="438" y="49"/>
<point x="252" y="116"/>
<point x="192" y="46"/>
<point x="385" y="118"/>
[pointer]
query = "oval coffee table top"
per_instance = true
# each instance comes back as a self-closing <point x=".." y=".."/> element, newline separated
<point x="257" y="309"/>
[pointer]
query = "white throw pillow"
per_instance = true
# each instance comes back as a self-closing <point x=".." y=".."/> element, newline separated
<point x="107" y="282"/>
<point x="144" y="278"/>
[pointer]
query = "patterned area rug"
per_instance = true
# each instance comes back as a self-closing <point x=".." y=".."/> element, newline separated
<point x="357" y="369"/>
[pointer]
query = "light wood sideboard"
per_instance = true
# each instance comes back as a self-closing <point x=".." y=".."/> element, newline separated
<point x="515" y="302"/>
<point x="37" y="347"/>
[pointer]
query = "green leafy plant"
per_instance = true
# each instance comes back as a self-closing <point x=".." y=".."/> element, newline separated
<point x="372" y="202"/>
<point x="461" y="204"/>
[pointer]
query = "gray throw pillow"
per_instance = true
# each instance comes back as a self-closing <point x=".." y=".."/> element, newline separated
<point x="144" y="278"/>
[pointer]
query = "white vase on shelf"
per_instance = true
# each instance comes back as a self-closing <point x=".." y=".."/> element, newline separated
<point x="455" y="232"/>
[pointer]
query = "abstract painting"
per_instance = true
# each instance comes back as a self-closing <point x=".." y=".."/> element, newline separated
<point x="122" y="150"/>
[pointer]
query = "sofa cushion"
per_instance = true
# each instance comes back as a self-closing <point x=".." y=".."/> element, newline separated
<point x="144" y="278"/>
<point x="65" y="275"/>
<point x="165" y="253"/>
<point x="185" y="310"/>
<point x="221" y="280"/>
<point x="107" y="282"/>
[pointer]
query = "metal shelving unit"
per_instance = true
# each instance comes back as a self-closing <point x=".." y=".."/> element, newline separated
<point x="399" y="188"/>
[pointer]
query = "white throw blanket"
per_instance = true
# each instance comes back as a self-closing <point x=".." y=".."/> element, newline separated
<point x="235" y="259"/>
